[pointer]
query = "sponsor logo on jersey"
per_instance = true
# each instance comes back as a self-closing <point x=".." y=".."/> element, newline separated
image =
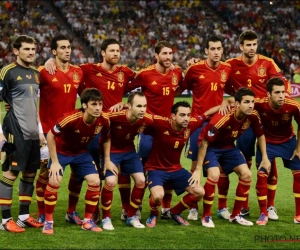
<point x="166" y="133"/>
<point x="121" y="77"/>
<point x="229" y="127"/>
<point x="246" y="124"/>
<point x="120" y="84"/>
<point x="238" y="72"/>
<point x="201" y="77"/>
<point x="223" y="76"/>
<point x="174" y="80"/>
<point x="19" y="78"/>
<point x="154" y="83"/>
<point x="264" y="114"/>
<point x="99" y="74"/>
<point x="119" y="127"/>
<point x="286" y="117"/>
<point x="54" y="79"/>
<point x="36" y="78"/>
<point x="186" y="133"/>
<point x="97" y="130"/>
<point x="261" y="71"/>
<point x="77" y="131"/>
<point x="28" y="76"/>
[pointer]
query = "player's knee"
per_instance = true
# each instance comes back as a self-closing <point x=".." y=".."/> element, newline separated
<point x="157" y="197"/>
<point x="199" y="192"/>
<point x="55" y="182"/>
<point x="213" y="175"/>
<point x="246" y="175"/>
<point x="111" y="181"/>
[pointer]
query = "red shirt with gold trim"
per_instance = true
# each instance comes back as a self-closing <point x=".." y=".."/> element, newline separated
<point x="207" y="85"/>
<point x="158" y="88"/>
<point x="168" y="143"/>
<point x="73" y="134"/>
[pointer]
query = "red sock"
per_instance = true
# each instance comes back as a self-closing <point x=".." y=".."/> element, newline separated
<point x="208" y="199"/>
<point x="187" y="201"/>
<point x="124" y="189"/>
<point x="223" y="186"/>
<point x="262" y="191"/>
<point x="249" y="164"/>
<point x="154" y="206"/>
<point x="50" y="199"/>
<point x="74" y="192"/>
<point x="137" y="195"/>
<point x="272" y="184"/>
<point x="296" y="190"/>
<point x="40" y="187"/>
<point x="106" y="200"/>
<point x="91" y="200"/>
<point x="241" y="194"/>
<point x="166" y="202"/>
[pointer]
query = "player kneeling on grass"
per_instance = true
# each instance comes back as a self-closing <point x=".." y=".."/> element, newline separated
<point x="217" y="148"/>
<point x="67" y="142"/>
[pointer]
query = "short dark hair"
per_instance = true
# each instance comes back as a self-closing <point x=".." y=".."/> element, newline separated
<point x="133" y="94"/>
<point x="277" y="81"/>
<point x="213" y="38"/>
<point x="243" y="91"/>
<point x="247" y="35"/>
<point x="162" y="44"/>
<point x="107" y="42"/>
<point x="17" y="43"/>
<point x="175" y="106"/>
<point x="56" y="39"/>
<point x="90" y="94"/>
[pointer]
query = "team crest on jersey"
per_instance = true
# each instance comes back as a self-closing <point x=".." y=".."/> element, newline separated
<point x="174" y="80"/>
<point x="223" y="76"/>
<point x="186" y="133"/>
<point x="36" y="78"/>
<point x="141" y="129"/>
<point x="246" y="124"/>
<point x="75" y="77"/>
<point x="286" y="117"/>
<point x="262" y="71"/>
<point x="120" y="77"/>
<point x="97" y="130"/>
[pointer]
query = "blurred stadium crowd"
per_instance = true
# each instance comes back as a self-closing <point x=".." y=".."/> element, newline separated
<point x="138" y="25"/>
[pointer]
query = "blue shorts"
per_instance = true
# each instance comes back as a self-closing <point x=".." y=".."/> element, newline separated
<point x="178" y="179"/>
<point x="227" y="158"/>
<point x="82" y="164"/>
<point x="129" y="162"/>
<point x="246" y="143"/>
<point x="284" y="151"/>
<point x="145" y="145"/>
<point x="93" y="148"/>
<point x="191" y="149"/>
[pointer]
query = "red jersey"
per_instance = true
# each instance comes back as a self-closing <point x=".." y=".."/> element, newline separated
<point x="158" y="88"/>
<point x="278" y="122"/>
<point x="72" y="134"/>
<point x="58" y="94"/>
<point x="167" y="143"/>
<point x="111" y="83"/>
<point x="254" y="76"/>
<point x="207" y="85"/>
<point x="123" y="132"/>
<point x="222" y="131"/>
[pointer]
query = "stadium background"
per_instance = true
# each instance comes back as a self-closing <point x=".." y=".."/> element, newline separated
<point x="139" y="25"/>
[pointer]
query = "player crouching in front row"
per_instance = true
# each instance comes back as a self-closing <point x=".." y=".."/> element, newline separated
<point x="67" y="143"/>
